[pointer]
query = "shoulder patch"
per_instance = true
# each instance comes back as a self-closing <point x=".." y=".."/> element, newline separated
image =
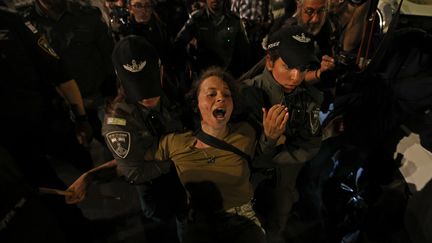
<point x="116" y="121"/>
<point x="119" y="142"/>
<point x="44" y="45"/>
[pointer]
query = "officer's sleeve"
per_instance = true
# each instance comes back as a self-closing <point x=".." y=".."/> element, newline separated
<point x="47" y="61"/>
<point x="134" y="155"/>
<point x="186" y="34"/>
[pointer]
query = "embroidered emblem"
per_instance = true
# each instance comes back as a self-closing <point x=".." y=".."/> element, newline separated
<point x="119" y="142"/>
<point x="43" y="43"/>
<point x="302" y="38"/>
<point x="116" y="121"/>
<point x="314" y="121"/>
<point x="134" y="67"/>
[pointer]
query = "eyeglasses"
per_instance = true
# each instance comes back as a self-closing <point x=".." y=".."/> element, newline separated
<point x="142" y="6"/>
<point x="311" y="11"/>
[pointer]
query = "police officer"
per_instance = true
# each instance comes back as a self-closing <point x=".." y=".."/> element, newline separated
<point x="31" y="72"/>
<point x="217" y="38"/>
<point x="133" y="124"/>
<point x="290" y="54"/>
<point x="80" y="37"/>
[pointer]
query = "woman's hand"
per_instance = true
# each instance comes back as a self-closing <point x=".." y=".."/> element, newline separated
<point x="79" y="189"/>
<point x="274" y="121"/>
<point x="327" y="63"/>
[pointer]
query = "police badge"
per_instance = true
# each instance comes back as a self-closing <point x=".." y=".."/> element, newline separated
<point x="119" y="142"/>
<point x="314" y="121"/>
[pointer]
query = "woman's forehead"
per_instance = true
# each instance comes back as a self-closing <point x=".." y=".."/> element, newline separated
<point x="213" y="82"/>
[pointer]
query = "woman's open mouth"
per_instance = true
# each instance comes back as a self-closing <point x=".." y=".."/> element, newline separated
<point x="219" y="113"/>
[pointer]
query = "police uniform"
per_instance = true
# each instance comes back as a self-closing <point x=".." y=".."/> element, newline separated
<point x="132" y="130"/>
<point x="30" y="71"/>
<point x="155" y="32"/>
<point x="302" y="135"/>
<point x="221" y="41"/>
<point x="132" y="133"/>
<point x="302" y="141"/>
<point x="303" y="131"/>
<point x="82" y="40"/>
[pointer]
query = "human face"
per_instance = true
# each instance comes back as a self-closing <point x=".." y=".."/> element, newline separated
<point x="150" y="102"/>
<point x="141" y="10"/>
<point x="114" y="3"/>
<point x="215" y="103"/>
<point x="215" y="5"/>
<point x="311" y="15"/>
<point x="287" y="78"/>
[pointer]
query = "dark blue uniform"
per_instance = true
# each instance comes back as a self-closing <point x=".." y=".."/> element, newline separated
<point x="132" y="133"/>
<point x="221" y="41"/>
<point x="82" y="40"/>
<point x="30" y="71"/>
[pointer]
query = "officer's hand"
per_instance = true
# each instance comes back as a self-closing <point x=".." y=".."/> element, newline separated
<point x="84" y="132"/>
<point x="274" y="121"/>
<point x="79" y="189"/>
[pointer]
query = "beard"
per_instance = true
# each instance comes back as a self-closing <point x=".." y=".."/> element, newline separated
<point x="312" y="29"/>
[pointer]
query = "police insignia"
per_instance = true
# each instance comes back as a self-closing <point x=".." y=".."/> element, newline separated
<point x="116" y="121"/>
<point x="314" y="121"/>
<point x="119" y="142"/>
<point x="43" y="43"/>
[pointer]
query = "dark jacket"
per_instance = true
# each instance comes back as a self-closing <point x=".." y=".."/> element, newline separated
<point x="132" y="131"/>
<point x="303" y="130"/>
<point x="220" y="42"/>
<point x="82" y="40"/>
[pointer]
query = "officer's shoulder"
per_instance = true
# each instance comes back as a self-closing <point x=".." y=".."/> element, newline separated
<point x="7" y="12"/>
<point x="256" y="81"/>
<point x="81" y="9"/>
<point x="121" y="109"/>
<point x="200" y="13"/>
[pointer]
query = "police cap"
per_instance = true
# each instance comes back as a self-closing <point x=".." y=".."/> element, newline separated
<point x="137" y="65"/>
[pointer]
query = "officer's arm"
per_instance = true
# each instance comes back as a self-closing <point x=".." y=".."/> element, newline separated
<point x="133" y="152"/>
<point x="70" y="91"/>
<point x="80" y="186"/>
